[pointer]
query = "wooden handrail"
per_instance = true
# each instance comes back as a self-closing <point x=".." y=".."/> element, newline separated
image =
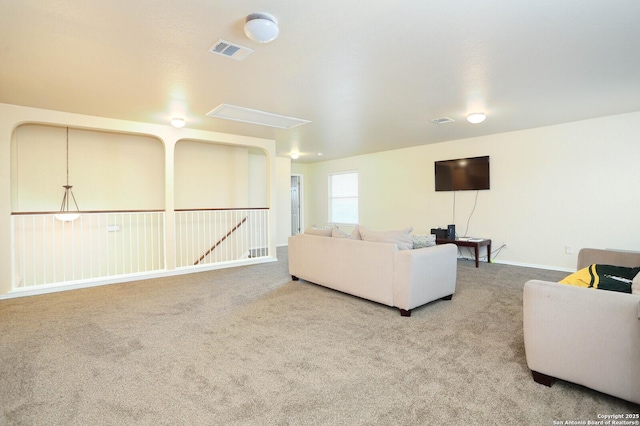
<point x="87" y="211"/>
<point x="142" y="211"/>
<point x="220" y="209"/>
<point x="235" y="228"/>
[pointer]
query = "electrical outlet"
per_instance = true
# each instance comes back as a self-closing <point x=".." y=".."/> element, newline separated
<point x="568" y="249"/>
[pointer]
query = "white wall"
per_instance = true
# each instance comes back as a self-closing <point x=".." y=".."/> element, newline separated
<point x="574" y="185"/>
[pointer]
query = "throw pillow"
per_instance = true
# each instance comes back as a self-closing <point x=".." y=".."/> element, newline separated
<point x="338" y="233"/>
<point x="312" y="230"/>
<point x="355" y="234"/>
<point x="421" y="241"/>
<point x="635" y="285"/>
<point x="401" y="237"/>
<point x="604" y="277"/>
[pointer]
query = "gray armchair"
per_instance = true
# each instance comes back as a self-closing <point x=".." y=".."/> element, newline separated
<point x="585" y="336"/>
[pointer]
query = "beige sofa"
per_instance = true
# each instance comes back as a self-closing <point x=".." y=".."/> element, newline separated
<point x="375" y="271"/>
<point x="582" y="335"/>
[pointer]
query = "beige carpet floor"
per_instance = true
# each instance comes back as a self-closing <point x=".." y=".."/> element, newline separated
<point x="248" y="346"/>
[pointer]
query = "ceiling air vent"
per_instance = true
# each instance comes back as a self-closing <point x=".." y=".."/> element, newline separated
<point x="230" y="50"/>
<point x="254" y="116"/>
<point x="442" y="120"/>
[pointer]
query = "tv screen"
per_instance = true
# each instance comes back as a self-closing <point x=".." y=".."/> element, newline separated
<point x="463" y="174"/>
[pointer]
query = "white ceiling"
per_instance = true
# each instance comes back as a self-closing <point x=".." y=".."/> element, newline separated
<point x="368" y="75"/>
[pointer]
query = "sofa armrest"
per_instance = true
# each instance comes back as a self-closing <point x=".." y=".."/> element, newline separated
<point x="423" y="275"/>
<point x="585" y="336"/>
<point x="589" y="256"/>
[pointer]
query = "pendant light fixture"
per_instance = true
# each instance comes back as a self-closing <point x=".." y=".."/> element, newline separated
<point x="65" y="215"/>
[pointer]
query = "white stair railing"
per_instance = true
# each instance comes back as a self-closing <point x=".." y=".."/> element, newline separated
<point x="96" y="245"/>
<point x="215" y="236"/>
<point x="100" y="246"/>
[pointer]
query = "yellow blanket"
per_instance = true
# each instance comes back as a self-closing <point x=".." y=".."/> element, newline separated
<point x="604" y="277"/>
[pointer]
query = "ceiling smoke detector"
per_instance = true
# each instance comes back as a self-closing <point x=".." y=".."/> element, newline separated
<point x="261" y="27"/>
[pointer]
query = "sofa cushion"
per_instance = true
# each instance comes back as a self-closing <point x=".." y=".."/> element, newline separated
<point x="338" y="233"/>
<point x="401" y="237"/>
<point x="604" y="277"/>
<point x="421" y="241"/>
<point x="312" y="230"/>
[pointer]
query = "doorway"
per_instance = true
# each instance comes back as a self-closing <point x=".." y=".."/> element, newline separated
<point x="296" y="204"/>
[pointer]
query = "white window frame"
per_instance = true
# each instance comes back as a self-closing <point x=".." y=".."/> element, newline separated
<point x="331" y="197"/>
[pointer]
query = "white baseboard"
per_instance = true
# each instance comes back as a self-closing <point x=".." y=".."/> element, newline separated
<point x="55" y="288"/>
<point x="530" y="265"/>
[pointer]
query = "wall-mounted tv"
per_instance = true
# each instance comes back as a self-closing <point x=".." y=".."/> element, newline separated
<point x="462" y="174"/>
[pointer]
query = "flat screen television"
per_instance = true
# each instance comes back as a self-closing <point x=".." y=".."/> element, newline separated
<point x="462" y="174"/>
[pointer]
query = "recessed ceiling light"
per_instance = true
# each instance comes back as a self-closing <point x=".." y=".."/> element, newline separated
<point x="476" y="117"/>
<point x="320" y="154"/>
<point x="295" y="155"/>
<point x="178" y="122"/>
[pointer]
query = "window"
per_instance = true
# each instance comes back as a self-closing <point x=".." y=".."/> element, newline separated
<point x="343" y="197"/>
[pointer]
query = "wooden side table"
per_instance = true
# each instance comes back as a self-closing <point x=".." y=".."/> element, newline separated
<point x="476" y="243"/>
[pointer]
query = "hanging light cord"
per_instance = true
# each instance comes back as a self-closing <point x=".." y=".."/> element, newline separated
<point x="66" y="200"/>
<point x="67" y="156"/>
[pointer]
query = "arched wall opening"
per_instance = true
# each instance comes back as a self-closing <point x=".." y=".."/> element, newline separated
<point x="108" y="170"/>
<point x="221" y="203"/>
<point x="124" y="177"/>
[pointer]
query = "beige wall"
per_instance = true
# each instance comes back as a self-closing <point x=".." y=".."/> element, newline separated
<point x="258" y="188"/>
<point x="211" y="176"/>
<point x="104" y="169"/>
<point x="283" y="179"/>
<point x="258" y="192"/>
<point x="574" y="185"/>
<point x="107" y="174"/>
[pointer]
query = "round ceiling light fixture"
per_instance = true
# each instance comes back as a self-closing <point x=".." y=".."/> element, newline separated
<point x="476" y="117"/>
<point x="261" y="27"/>
<point x="178" y="122"/>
